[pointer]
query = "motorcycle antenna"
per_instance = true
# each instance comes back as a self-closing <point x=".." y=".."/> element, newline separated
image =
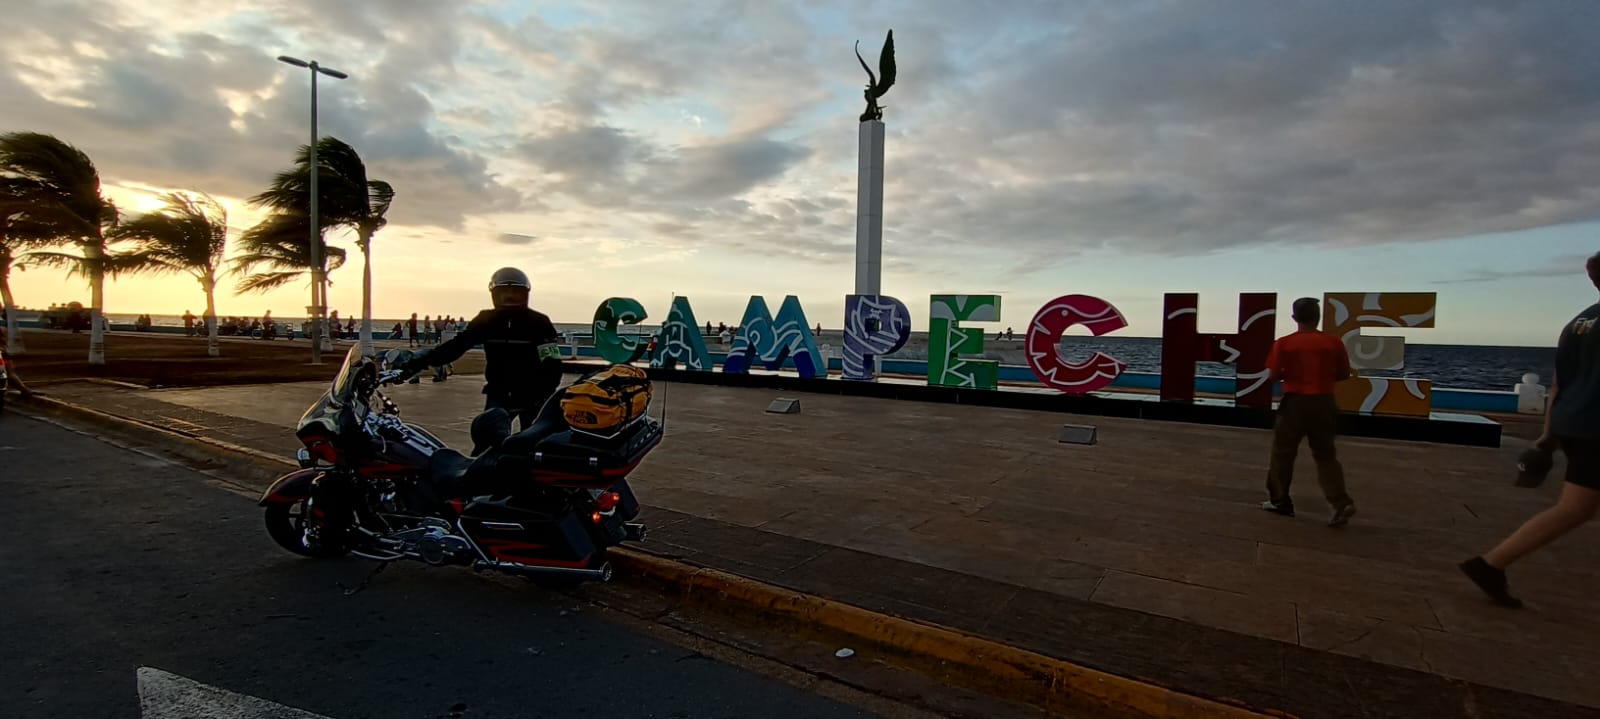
<point x="663" y="387"/>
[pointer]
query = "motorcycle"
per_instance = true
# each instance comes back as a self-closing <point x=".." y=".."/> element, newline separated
<point x="546" y="502"/>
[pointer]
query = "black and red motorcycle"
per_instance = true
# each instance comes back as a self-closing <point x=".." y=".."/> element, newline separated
<point x="547" y="501"/>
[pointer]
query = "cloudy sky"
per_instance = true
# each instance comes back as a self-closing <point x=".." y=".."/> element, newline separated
<point x="642" y="148"/>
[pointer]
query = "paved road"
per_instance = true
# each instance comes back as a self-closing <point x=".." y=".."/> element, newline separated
<point x="114" y="561"/>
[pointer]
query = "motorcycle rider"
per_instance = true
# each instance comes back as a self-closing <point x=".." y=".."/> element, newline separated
<point x="520" y="346"/>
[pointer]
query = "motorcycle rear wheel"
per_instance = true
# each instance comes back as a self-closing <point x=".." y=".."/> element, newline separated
<point x="287" y="528"/>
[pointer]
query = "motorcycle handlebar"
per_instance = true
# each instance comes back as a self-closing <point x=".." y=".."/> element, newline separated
<point x="391" y="376"/>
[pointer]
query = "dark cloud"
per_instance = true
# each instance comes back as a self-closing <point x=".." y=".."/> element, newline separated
<point x="608" y="167"/>
<point x="1567" y="266"/>
<point x="1060" y="128"/>
<point x="1175" y="128"/>
<point x="163" y="117"/>
<point x="513" y="238"/>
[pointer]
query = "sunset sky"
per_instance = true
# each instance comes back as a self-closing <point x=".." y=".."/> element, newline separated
<point x="708" y="149"/>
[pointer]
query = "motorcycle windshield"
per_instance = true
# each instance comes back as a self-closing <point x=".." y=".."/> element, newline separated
<point x="344" y="383"/>
<point x="341" y="395"/>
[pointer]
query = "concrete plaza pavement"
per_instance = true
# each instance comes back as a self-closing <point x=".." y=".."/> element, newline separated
<point x="1143" y="555"/>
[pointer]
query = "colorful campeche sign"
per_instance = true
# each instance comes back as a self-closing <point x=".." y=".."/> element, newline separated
<point x="879" y="325"/>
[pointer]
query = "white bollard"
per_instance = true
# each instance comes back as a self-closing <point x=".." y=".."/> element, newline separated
<point x="1530" y="395"/>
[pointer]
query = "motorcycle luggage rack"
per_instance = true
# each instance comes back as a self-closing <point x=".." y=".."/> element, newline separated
<point x="617" y="432"/>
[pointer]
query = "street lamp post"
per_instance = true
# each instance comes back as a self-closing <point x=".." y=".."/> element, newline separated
<point x="319" y="290"/>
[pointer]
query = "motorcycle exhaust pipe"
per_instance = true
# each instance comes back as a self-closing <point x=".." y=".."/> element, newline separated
<point x="602" y="573"/>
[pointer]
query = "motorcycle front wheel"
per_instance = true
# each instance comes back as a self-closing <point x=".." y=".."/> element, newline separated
<point x="286" y="524"/>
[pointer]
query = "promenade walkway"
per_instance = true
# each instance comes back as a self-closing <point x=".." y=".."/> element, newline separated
<point x="1144" y="555"/>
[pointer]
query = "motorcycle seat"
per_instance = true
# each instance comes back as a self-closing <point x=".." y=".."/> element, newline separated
<point x="447" y="472"/>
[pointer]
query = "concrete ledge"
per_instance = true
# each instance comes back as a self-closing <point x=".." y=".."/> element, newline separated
<point x="1463" y="430"/>
<point x="975" y="663"/>
<point x="969" y="661"/>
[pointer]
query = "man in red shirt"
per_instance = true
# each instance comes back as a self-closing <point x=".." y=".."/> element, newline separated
<point x="1308" y="362"/>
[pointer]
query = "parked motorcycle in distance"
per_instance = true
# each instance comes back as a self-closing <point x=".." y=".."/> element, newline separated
<point x="546" y="502"/>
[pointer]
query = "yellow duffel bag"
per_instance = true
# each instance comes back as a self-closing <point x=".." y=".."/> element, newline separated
<point x="606" y="399"/>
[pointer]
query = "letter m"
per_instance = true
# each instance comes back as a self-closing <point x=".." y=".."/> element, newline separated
<point x="774" y="341"/>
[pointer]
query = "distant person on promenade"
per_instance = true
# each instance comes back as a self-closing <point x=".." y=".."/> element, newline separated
<point x="1309" y="362"/>
<point x="411" y="332"/>
<point x="1571" y="423"/>
<point x="188" y="323"/>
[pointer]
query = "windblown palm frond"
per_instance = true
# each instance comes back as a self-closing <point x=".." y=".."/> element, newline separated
<point x="189" y="234"/>
<point x="112" y="264"/>
<point x="56" y="169"/>
<point x="342" y="189"/>
<point x="380" y="195"/>
<point x="276" y="252"/>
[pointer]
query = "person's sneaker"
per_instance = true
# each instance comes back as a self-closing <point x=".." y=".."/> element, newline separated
<point x="1284" y="507"/>
<point x="1342" y="515"/>
<point x="1492" y="581"/>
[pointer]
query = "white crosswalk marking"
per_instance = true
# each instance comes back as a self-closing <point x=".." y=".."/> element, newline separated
<point x="164" y="695"/>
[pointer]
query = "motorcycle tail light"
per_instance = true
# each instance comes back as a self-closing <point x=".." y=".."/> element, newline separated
<point x="608" y="501"/>
<point x="597" y="517"/>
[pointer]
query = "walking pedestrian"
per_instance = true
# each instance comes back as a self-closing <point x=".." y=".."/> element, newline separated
<point x="1572" y="424"/>
<point x="1309" y="362"/>
<point x="411" y="334"/>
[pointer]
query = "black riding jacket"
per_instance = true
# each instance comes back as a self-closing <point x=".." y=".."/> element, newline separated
<point x="521" y="348"/>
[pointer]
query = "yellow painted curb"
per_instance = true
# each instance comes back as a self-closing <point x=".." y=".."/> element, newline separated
<point x="980" y="664"/>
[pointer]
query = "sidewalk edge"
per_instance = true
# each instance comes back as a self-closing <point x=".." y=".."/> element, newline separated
<point x="984" y="665"/>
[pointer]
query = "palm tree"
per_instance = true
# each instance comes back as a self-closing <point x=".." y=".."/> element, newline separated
<point x="345" y="198"/>
<point x="65" y="188"/>
<point x="18" y="233"/>
<point x="278" y="244"/>
<point x="189" y="235"/>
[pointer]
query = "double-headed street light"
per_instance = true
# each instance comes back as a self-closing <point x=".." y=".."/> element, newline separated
<point x="319" y="340"/>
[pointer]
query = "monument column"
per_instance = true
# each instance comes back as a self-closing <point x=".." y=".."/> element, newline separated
<point x="869" y="184"/>
<point x="869" y="210"/>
